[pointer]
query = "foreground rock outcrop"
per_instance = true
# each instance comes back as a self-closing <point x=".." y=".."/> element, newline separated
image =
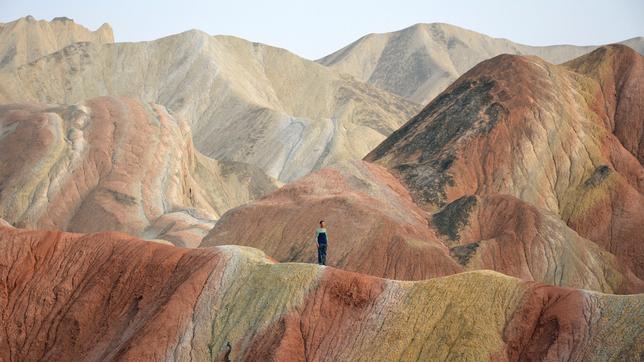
<point x="27" y="39"/>
<point x="114" y="164"/>
<point x="421" y="61"/>
<point x="112" y="297"/>
<point x="548" y="135"/>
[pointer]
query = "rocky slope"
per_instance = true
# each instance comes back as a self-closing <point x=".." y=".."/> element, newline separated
<point x="543" y="133"/>
<point x="118" y="298"/>
<point x="27" y="39"/>
<point x="245" y="101"/>
<point x="421" y="61"/>
<point x="375" y="228"/>
<point x="518" y="167"/>
<point x="114" y="164"/>
<point x="505" y="234"/>
<point x="620" y="74"/>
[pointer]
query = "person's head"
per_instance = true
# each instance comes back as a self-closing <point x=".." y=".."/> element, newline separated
<point x="322" y="223"/>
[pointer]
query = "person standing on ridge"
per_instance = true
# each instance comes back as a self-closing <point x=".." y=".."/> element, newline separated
<point x="321" y="238"/>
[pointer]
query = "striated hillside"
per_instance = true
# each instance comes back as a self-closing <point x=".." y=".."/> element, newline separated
<point x="620" y="74"/>
<point x="486" y="227"/>
<point x="514" y="168"/>
<point x="27" y="39"/>
<point x="114" y="164"/>
<point x="421" y="61"/>
<point x="119" y="298"/>
<point x="245" y="101"/>
<point x="376" y="229"/>
<point x="539" y="132"/>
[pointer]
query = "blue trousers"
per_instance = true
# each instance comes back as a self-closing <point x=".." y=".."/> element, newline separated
<point x="322" y="254"/>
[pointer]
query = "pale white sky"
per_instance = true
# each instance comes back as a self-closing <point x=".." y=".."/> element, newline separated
<point x="316" y="28"/>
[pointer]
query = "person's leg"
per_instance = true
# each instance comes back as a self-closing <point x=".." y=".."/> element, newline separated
<point x="323" y="255"/>
<point x="319" y="254"/>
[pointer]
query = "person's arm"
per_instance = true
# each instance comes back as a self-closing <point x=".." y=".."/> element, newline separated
<point x="317" y="233"/>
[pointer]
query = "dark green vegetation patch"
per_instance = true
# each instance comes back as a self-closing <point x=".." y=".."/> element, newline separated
<point x="453" y="217"/>
<point x="429" y="140"/>
<point x="463" y="253"/>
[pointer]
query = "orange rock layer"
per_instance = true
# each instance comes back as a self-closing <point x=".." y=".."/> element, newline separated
<point x="113" y="297"/>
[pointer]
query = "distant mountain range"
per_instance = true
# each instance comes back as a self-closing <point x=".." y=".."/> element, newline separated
<point x="246" y="102"/>
<point x="27" y="39"/>
<point x="420" y="61"/>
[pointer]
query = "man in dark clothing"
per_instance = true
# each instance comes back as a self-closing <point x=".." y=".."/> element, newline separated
<point x="321" y="238"/>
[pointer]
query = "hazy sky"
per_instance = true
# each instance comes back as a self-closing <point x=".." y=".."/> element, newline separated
<point x="315" y="28"/>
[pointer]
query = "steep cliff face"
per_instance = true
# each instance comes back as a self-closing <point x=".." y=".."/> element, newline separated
<point x="545" y="134"/>
<point x="114" y="164"/>
<point x="421" y="61"/>
<point x="118" y="298"/>
<point x="246" y="102"/>
<point x="27" y="39"/>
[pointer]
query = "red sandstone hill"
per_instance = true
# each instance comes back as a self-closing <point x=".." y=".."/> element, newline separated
<point x="548" y="135"/>
<point x="375" y="228"/>
<point x="514" y="168"/>
<point x="104" y="297"/>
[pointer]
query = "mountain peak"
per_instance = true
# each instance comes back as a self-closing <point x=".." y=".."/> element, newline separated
<point x="511" y="122"/>
<point x="27" y="39"/>
<point x="63" y="19"/>
<point x="420" y="61"/>
<point x="617" y="53"/>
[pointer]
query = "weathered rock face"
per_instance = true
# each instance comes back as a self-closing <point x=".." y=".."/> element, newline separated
<point x="27" y="39"/>
<point x="539" y="132"/>
<point x="505" y="234"/>
<point x="421" y="61"/>
<point x="375" y="228"/>
<point x="114" y="164"/>
<point x="246" y="102"/>
<point x="116" y="297"/>
<point x="620" y="73"/>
